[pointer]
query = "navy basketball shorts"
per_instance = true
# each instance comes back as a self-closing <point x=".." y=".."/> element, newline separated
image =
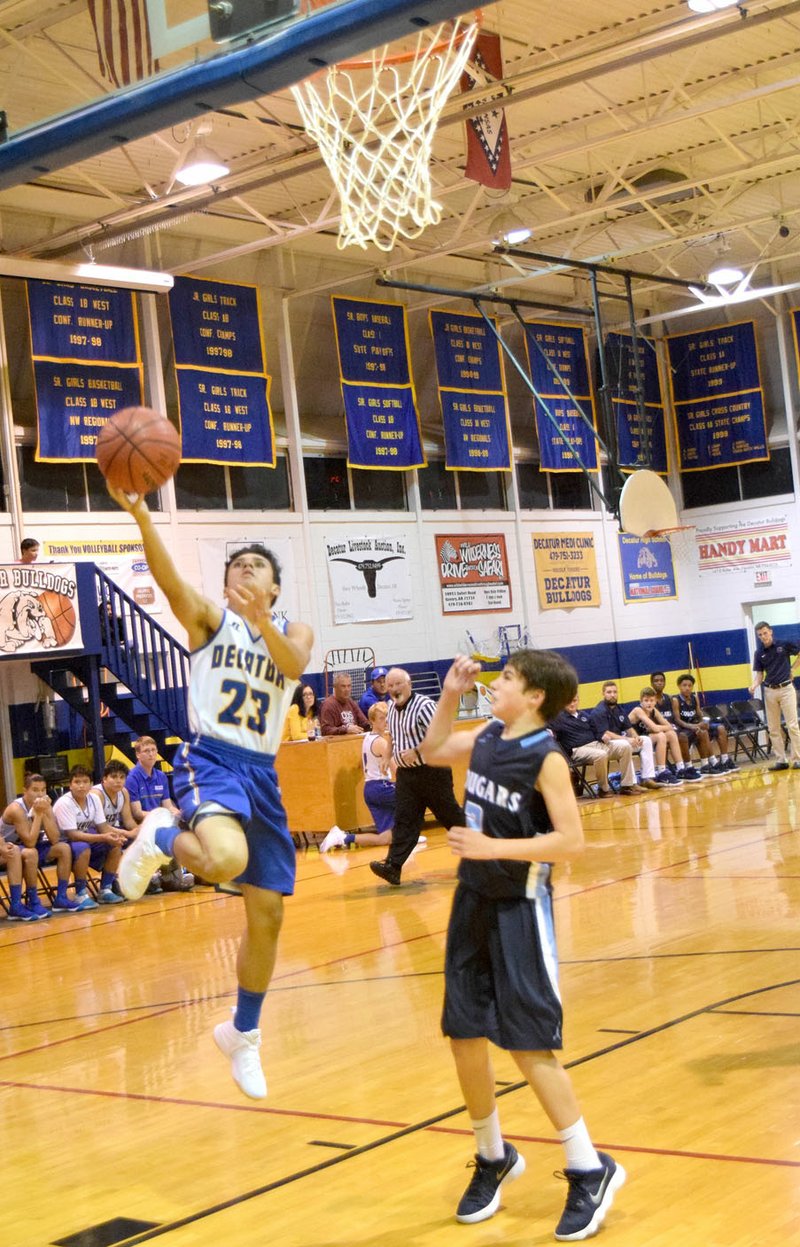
<point x="501" y="972"/>
<point x="244" y="784"/>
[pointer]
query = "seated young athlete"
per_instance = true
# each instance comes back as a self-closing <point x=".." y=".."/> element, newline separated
<point x="92" y="840"/>
<point x="379" y="787"/>
<point x="501" y="964"/>
<point x="689" y="719"/>
<point x="648" y="721"/>
<point x="29" y="823"/>
<point x="15" y="861"/>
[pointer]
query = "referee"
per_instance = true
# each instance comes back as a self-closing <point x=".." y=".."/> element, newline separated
<point x="419" y="787"/>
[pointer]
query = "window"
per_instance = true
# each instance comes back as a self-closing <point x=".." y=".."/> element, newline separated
<point x="378" y="491"/>
<point x="64" y="487"/>
<point x="326" y="484"/>
<point x="261" y="489"/>
<point x="481" y="491"/>
<point x="739" y="484"/>
<point x="553" y="491"/>
<point x="201" y="487"/>
<point x="437" y="487"/>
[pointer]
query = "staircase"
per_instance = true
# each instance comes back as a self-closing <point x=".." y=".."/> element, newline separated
<point x="131" y="677"/>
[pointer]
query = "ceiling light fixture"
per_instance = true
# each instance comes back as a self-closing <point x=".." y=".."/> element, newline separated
<point x="510" y="229"/>
<point x="201" y="166"/>
<point x="87" y="274"/>
<point x="711" y="6"/>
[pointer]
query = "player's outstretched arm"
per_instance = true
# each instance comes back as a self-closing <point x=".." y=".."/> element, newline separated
<point x="441" y="744"/>
<point x="199" y="616"/>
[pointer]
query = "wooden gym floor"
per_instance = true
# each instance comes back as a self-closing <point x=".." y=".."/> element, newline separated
<point x="679" y="932"/>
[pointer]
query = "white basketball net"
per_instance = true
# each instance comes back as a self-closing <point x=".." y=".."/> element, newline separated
<point x="374" y="127"/>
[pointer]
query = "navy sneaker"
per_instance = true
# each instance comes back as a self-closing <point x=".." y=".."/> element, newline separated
<point x="690" y="775"/>
<point x="482" y="1197"/>
<point x="591" y="1194"/>
<point x="730" y="765"/>
<point x="779" y="766"/>
<point x="38" y="910"/>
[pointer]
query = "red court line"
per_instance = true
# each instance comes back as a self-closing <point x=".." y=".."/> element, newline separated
<point x="678" y="1153"/>
<point x="183" y="1103"/>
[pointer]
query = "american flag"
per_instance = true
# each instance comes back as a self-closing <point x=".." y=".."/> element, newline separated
<point x="123" y="40"/>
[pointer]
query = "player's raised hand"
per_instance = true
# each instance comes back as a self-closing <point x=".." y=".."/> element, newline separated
<point x="461" y="676"/>
<point x="132" y="503"/>
<point x="251" y="602"/>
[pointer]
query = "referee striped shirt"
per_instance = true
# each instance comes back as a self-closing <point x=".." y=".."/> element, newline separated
<point x="408" y="724"/>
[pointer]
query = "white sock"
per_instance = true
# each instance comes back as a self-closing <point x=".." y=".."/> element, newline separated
<point x="723" y="757"/>
<point x="579" y="1147"/>
<point x="488" y="1138"/>
<point x="679" y="766"/>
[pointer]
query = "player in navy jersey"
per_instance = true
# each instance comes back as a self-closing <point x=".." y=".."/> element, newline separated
<point x="244" y="670"/>
<point x="501" y="967"/>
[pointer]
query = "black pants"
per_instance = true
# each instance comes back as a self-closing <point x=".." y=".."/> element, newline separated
<point x="420" y="788"/>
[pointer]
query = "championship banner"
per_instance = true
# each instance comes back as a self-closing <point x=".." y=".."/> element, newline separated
<point x="717" y="397"/>
<point x="743" y="545"/>
<point x="566" y="570"/>
<point x="370" y="578"/>
<point x="221" y="373"/>
<point x="377" y="387"/>
<point x="86" y="364"/>
<point x="214" y="553"/>
<point x="473" y="573"/>
<point x="558" y="361"/>
<point x="648" y="573"/>
<point x="641" y="437"/>
<point x="122" y="561"/>
<point x="469" y="368"/>
<point x="38" y="609"/>
<point x="488" y="150"/>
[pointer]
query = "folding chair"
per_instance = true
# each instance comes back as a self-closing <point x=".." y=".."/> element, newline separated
<point x="748" y="722"/>
<point x="579" y="781"/>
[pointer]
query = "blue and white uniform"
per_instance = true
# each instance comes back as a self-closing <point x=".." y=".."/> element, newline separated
<point x="111" y="809"/>
<point x="238" y="701"/>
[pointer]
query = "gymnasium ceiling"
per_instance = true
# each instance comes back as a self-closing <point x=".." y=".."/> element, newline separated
<point x="642" y="136"/>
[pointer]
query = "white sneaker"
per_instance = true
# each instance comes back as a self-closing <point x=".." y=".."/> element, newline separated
<point x="333" y="840"/>
<point x="143" y="858"/>
<point x="422" y="839"/>
<point x="242" y="1048"/>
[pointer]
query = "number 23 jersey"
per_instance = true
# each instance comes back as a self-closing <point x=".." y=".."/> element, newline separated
<point x="236" y="693"/>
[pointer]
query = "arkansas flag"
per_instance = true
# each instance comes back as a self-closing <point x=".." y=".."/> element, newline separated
<point x="123" y="40"/>
<point x="488" y="155"/>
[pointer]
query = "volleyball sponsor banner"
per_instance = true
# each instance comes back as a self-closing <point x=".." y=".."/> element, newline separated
<point x="648" y="573"/>
<point x="39" y="611"/>
<point x="564" y="408"/>
<point x="473" y="573"/>
<point x="717" y="398"/>
<point x="639" y="418"/>
<point x="566" y="570"/>
<point x="123" y="561"/>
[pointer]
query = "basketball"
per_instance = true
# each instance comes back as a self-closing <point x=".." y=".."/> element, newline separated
<point x="61" y="613"/>
<point x="138" y="450"/>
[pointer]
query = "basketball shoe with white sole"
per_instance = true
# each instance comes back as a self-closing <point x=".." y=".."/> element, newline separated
<point x="242" y="1048"/>
<point x="143" y="858"/>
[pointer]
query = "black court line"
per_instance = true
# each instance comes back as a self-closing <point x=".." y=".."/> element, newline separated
<point x="616" y="1030"/>
<point x="756" y="1013"/>
<point x="430" y="1122"/>
<point x="344" y="1147"/>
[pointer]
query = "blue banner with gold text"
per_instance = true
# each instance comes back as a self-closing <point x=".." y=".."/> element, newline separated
<point x="559" y="366"/>
<point x="377" y="387"/>
<point x="472" y="392"/>
<point x="220" y="365"/>
<point x="717" y="397"/>
<point x="86" y="364"/>
<point x="641" y="432"/>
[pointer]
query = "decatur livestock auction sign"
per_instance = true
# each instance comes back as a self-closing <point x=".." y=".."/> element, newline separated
<point x="473" y="574"/>
<point x="566" y="570"/>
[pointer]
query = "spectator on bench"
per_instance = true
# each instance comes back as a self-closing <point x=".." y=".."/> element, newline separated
<point x="578" y="736"/>
<point x="689" y="718"/>
<point x="340" y="715"/>
<point x="94" y="843"/>
<point x="648" y="721"/>
<point x="376" y="690"/>
<point x="612" y="723"/>
<point x="29" y="824"/>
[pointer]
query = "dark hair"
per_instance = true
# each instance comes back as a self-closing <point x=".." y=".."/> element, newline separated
<point x="549" y="671"/>
<point x="763" y="624"/>
<point x="606" y="683"/>
<point x="33" y="778"/>
<point x="29" y="543"/>
<point x="687" y="675"/>
<point x="79" y="772"/>
<point x="262" y="552"/>
<point x="115" y="767"/>
<point x="653" y="675"/>
<point x="297" y="700"/>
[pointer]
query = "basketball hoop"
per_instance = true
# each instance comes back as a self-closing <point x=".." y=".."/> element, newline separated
<point x="646" y="507"/>
<point x="681" y="538"/>
<point x="374" y="122"/>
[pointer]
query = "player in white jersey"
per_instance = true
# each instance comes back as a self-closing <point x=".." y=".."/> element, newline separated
<point x="244" y="669"/>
